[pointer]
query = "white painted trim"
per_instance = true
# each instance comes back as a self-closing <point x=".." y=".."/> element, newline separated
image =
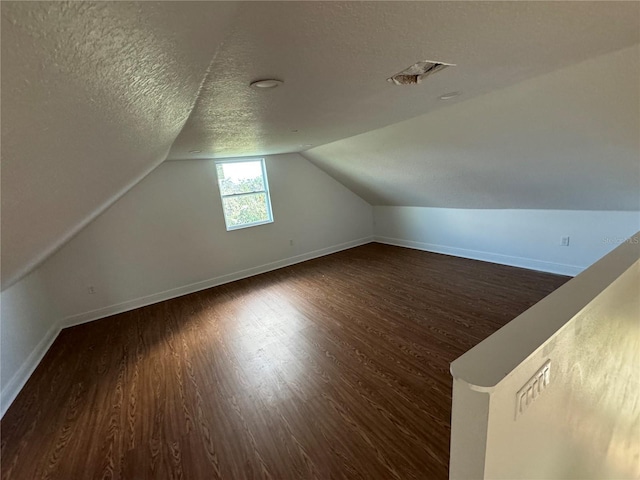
<point x="530" y="263"/>
<point x="202" y="285"/>
<point x="19" y="379"/>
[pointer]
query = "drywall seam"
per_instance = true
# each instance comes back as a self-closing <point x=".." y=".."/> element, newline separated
<point x="452" y="163"/>
<point x="203" y="285"/>
<point x="29" y="267"/>
<point x="73" y="231"/>
<point x="19" y="379"/>
<point x="522" y="262"/>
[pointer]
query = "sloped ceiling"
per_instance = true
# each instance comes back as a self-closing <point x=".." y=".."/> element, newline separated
<point x="93" y="96"/>
<point x="335" y="57"/>
<point x="95" y="93"/>
<point x="565" y="140"/>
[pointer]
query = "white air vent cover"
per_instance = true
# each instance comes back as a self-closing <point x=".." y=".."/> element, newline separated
<point x="416" y="72"/>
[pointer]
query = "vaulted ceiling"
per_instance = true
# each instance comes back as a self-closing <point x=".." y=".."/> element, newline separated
<point x="566" y="140"/>
<point x="96" y="94"/>
<point x="93" y="96"/>
<point x="335" y="57"/>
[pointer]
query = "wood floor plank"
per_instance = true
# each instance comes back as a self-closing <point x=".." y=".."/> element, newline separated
<point x="336" y="368"/>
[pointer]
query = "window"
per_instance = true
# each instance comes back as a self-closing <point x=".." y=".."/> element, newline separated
<point x="245" y="192"/>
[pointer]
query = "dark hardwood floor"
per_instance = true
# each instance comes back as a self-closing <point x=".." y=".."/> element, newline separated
<point x="334" y="368"/>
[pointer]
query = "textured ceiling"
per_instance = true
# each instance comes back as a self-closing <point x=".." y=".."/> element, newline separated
<point x="93" y="95"/>
<point x="335" y="57"/>
<point x="568" y="140"/>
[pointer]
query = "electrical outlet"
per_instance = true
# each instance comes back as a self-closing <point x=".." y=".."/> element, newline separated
<point x="534" y="387"/>
<point x="564" y="241"/>
<point x="92" y="289"/>
<point x="291" y="243"/>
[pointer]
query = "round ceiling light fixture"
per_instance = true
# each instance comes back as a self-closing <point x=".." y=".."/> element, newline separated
<point x="450" y="95"/>
<point x="266" y="83"/>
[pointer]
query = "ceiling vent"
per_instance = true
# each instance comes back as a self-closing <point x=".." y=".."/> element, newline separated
<point x="417" y="72"/>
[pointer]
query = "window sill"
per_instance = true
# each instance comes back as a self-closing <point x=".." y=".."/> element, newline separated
<point x="247" y="225"/>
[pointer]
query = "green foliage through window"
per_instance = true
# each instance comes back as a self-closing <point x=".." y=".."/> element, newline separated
<point x="244" y="191"/>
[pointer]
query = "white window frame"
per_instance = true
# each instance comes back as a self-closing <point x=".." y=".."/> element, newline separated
<point x="265" y="191"/>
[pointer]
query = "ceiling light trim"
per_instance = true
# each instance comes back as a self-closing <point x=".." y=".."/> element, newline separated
<point x="266" y="83"/>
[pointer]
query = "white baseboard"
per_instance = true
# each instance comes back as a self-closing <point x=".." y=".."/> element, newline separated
<point x="19" y="379"/>
<point x="529" y="263"/>
<point x="203" y="285"/>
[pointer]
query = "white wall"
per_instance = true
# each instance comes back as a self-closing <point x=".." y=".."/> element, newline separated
<point x="567" y="140"/>
<point x="28" y="326"/>
<point x="83" y="120"/>
<point x="584" y="423"/>
<point x="167" y="237"/>
<point x="524" y="238"/>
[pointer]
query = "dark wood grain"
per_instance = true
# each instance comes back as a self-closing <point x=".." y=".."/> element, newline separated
<point x="334" y="368"/>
